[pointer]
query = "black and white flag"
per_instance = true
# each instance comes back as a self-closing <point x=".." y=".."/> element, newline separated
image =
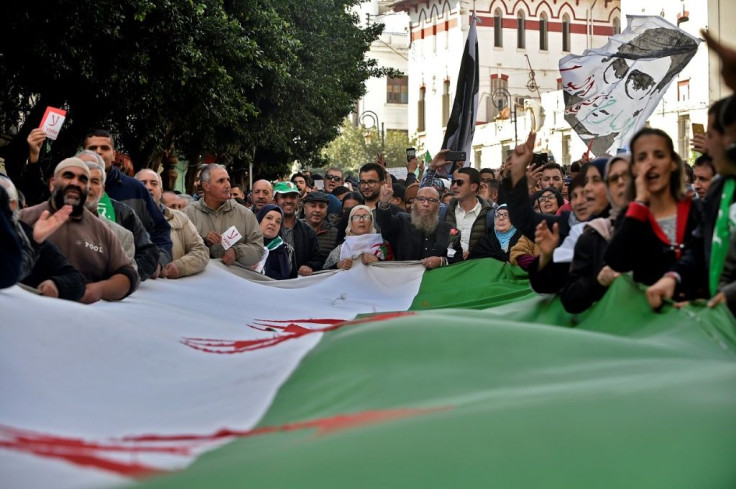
<point x="461" y="124"/>
<point x="610" y="92"/>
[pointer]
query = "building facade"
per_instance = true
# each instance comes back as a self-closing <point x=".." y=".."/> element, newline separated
<point x="520" y="43"/>
<point x="386" y="100"/>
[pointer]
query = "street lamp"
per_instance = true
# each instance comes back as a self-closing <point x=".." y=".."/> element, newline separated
<point x="500" y="97"/>
<point x="374" y="117"/>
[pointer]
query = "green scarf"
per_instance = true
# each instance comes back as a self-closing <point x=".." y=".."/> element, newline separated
<point x="105" y="208"/>
<point x="274" y="243"/>
<point x="721" y="236"/>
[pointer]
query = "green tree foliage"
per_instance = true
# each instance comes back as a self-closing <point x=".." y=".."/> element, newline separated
<point x="356" y="146"/>
<point x="253" y="79"/>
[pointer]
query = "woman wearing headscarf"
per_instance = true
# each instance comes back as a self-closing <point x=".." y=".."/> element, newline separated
<point x="589" y="277"/>
<point x="549" y="272"/>
<point x="279" y="261"/>
<point x="497" y="243"/>
<point x="361" y="241"/>
<point x="657" y="228"/>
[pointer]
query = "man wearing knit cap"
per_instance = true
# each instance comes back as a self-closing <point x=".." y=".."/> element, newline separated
<point x="84" y="240"/>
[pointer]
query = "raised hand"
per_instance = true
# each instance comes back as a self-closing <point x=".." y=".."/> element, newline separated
<point x="35" y="140"/>
<point x="438" y="160"/>
<point x="387" y="190"/>
<point x="521" y="157"/>
<point x="642" y="193"/>
<point x="48" y="223"/>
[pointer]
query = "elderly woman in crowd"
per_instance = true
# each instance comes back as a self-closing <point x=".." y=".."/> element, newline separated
<point x="361" y="241"/>
<point x="498" y="243"/>
<point x="589" y="276"/>
<point x="657" y="228"/>
<point x="280" y="261"/>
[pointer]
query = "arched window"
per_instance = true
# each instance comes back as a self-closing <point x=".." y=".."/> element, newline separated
<point x="543" y="29"/>
<point x="520" y="30"/>
<point x="616" y="26"/>
<point x="566" y="33"/>
<point x="498" y="29"/>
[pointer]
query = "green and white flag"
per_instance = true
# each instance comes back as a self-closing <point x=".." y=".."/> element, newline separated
<point x="380" y="376"/>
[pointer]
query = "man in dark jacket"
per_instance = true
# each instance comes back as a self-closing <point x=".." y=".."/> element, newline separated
<point x="132" y="193"/>
<point x="419" y="236"/>
<point x="296" y="232"/>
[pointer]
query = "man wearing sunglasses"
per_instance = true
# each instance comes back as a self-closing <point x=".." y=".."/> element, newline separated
<point x="419" y="235"/>
<point x="333" y="179"/>
<point x="467" y="211"/>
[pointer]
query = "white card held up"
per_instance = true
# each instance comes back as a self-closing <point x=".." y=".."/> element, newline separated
<point x="51" y="122"/>
<point x="230" y="237"/>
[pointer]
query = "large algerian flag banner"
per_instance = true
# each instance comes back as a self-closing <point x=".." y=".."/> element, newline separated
<point x="380" y="376"/>
<point x="611" y="91"/>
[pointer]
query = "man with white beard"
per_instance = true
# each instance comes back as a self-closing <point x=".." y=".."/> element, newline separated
<point x="419" y="236"/>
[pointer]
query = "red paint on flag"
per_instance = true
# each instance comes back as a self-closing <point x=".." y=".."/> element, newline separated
<point x="109" y="455"/>
<point x="289" y="328"/>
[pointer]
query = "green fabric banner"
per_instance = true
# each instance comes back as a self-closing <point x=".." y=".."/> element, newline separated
<point x="507" y="397"/>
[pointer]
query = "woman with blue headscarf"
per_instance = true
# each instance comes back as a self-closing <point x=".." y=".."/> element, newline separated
<point x="497" y="243"/>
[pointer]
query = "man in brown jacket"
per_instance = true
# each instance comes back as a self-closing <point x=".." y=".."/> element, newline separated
<point x="85" y="241"/>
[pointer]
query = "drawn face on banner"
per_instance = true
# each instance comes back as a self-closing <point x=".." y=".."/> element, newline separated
<point x="610" y="92"/>
<point x="625" y="89"/>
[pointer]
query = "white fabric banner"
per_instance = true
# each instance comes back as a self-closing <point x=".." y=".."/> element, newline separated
<point x="93" y="396"/>
<point x="355" y="245"/>
<point x="610" y="92"/>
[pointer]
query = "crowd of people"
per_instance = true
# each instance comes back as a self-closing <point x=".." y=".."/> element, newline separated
<point x="90" y="232"/>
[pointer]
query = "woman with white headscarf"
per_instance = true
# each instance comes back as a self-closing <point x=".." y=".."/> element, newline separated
<point x="361" y="241"/>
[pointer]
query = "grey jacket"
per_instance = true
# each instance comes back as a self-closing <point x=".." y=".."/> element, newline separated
<point x="249" y="249"/>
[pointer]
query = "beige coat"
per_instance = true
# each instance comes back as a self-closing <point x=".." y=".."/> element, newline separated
<point x="249" y="249"/>
<point x="189" y="253"/>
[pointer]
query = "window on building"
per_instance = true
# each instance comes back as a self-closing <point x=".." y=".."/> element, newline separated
<point x="566" y="159"/>
<point x="445" y="102"/>
<point x="478" y="158"/>
<point x="434" y="36"/>
<point x="520" y="30"/>
<point x="498" y="83"/>
<point x="397" y="90"/>
<point x="506" y="150"/>
<point x="498" y="29"/>
<point x="420" y="109"/>
<point x="616" y="26"/>
<point x="559" y="84"/>
<point x="683" y="136"/>
<point x="683" y="91"/>
<point x="543" y="29"/>
<point x="447" y="34"/>
<point x="566" y="33"/>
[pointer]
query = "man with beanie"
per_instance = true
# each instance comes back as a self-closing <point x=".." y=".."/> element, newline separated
<point x="85" y="241"/>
